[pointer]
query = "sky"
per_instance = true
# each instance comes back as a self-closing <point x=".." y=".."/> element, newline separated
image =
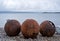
<point x="30" y="5"/>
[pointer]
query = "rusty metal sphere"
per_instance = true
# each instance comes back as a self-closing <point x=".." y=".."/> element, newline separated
<point x="47" y="28"/>
<point x="12" y="27"/>
<point x="30" y="28"/>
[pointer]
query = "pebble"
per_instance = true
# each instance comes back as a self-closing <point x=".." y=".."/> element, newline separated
<point x="4" y="37"/>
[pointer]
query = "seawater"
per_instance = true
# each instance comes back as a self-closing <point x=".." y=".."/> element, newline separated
<point x="21" y="17"/>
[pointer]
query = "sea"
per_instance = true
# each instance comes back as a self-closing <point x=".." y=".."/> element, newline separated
<point x="22" y="16"/>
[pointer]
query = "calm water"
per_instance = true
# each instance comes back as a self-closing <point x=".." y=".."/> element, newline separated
<point x="21" y="17"/>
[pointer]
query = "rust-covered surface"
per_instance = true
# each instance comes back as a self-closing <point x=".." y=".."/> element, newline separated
<point x="47" y="28"/>
<point x="12" y="27"/>
<point x="30" y="28"/>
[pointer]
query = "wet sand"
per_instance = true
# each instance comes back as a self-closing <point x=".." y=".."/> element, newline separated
<point x="4" y="37"/>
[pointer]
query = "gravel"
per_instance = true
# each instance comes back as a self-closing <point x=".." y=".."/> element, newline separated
<point x="4" y="37"/>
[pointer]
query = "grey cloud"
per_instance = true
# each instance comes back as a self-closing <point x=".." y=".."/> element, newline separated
<point x="30" y="5"/>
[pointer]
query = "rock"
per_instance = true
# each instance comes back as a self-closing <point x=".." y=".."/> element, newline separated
<point x="12" y="27"/>
<point x="58" y="30"/>
<point x="47" y="28"/>
<point x="30" y="28"/>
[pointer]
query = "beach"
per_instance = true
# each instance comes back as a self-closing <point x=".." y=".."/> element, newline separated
<point x="4" y="37"/>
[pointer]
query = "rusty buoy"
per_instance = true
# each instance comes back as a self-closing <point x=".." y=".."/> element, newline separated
<point x="30" y="28"/>
<point x="47" y="28"/>
<point x="12" y="27"/>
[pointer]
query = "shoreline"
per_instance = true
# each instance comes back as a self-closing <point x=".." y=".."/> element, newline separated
<point x="4" y="37"/>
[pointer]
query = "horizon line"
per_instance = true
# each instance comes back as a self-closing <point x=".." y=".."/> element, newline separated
<point x="25" y="12"/>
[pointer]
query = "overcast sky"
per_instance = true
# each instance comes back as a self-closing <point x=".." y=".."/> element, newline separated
<point x="30" y="5"/>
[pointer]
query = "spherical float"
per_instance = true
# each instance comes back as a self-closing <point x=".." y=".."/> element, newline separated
<point x="30" y="28"/>
<point x="47" y="28"/>
<point x="12" y="27"/>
